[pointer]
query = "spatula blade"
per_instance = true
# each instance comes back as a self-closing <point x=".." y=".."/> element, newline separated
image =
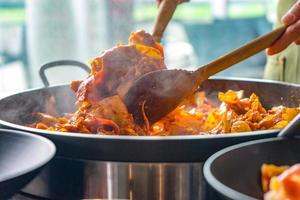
<point x="160" y="91"/>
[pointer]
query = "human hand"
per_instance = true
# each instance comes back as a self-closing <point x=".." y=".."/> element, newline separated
<point x="292" y="33"/>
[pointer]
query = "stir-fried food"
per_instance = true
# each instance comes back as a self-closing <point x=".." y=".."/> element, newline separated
<point x="113" y="72"/>
<point x="101" y="109"/>
<point x="281" y="182"/>
<point x="235" y="114"/>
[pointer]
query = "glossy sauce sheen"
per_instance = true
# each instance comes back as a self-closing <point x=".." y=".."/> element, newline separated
<point x="290" y="180"/>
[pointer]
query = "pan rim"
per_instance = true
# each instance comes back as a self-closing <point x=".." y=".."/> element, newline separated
<point x="45" y="159"/>
<point x="220" y="78"/>
<point x="137" y="138"/>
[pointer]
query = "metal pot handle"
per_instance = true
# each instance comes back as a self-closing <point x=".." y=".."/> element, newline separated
<point x="58" y="63"/>
<point x="292" y="129"/>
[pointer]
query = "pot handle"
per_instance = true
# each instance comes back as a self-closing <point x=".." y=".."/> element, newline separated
<point x="58" y="63"/>
<point x="292" y="129"/>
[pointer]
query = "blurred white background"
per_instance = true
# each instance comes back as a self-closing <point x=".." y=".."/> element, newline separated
<point x="33" y="32"/>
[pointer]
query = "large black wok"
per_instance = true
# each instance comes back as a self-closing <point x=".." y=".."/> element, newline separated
<point x="16" y="111"/>
<point x="235" y="171"/>
<point x="131" y="167"/>
<point x="22" y="155"/>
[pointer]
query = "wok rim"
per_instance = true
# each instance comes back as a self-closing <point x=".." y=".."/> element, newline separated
<point x="150" y="138"/>
<point x="42" y="162"/>
<point x="218" y="185"/>
<point x="137" y="138"/>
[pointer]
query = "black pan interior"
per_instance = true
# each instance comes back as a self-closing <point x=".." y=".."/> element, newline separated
<point x="19" y="108"/>
<point x="21" y="157"/>
<point x="235" y="171"/>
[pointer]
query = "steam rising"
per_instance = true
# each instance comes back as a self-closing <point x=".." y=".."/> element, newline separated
<point x="19" y="108"/>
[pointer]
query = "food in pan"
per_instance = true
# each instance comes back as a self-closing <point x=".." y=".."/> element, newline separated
<point x="101" y="109"/>
<point x="281" y="182"/>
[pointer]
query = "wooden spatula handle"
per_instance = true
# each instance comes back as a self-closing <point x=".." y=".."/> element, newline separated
<point x="165" y="13"/>
<point x="239" y="54"/>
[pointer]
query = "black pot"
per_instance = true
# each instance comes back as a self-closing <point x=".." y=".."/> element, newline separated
<point x="234" y="172"/>
<point x="22" y="156"/>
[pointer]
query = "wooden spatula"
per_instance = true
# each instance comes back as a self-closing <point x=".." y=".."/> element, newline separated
<point x="165" y="13"/>
<point x="162" y="91"/>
